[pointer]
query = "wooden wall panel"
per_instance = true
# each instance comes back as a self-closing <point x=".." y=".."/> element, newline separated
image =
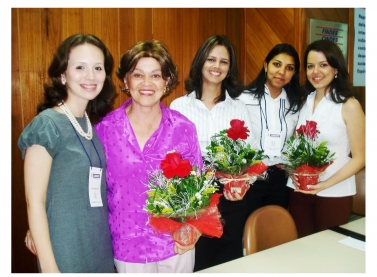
<point x="235" y="33"/>
<point x="51" y="25"/>
<point x="255" y="54"/>
<point x="31" y="52"/>
<point x="289" y="14"/>
<point x="19" y="218"/>
<point x="280" y="25"/>
<point x="37" y="32"/>
<point x="205" y="25"/>
<point x="143" y="25"/>
<point x="344" y="15"/>
<point x="167" y="26"/>
<point x="190" y="42"/>
<point x="334" y="15"/>
<point x="70" y="22"/>
<point x="264" y="28"/>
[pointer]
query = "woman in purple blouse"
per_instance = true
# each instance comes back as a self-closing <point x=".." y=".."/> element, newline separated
<point x="136" y="138"/>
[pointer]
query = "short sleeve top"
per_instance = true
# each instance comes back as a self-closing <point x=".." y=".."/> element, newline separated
<point x="73" y="224"/>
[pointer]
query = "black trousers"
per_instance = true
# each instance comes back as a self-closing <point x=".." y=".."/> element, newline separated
<point x="272" y="191"/>
<point x="213" y="251"/>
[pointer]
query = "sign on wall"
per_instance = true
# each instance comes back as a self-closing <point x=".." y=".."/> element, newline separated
<point x="359" y="56"/>
<point x="327" y="30"/>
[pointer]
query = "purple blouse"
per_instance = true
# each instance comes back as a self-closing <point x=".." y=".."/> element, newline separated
<point x="133" y="239"/>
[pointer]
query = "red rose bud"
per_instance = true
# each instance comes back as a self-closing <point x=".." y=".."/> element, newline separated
<point x="173" y="165"/>
<point x="301" y="130"/>
<point x="237" y="130"/>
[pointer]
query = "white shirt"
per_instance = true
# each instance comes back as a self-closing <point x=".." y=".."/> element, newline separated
<point x="210" y="122"/>
<point x="270" y="114"/>
<point x="332" y="128"/>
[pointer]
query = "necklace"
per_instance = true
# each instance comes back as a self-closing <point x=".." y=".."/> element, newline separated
<point x="75" y="124"/>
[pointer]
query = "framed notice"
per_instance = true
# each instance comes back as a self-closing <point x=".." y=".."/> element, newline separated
<point x="359" y="46"/>
<point x="327" y="30"/>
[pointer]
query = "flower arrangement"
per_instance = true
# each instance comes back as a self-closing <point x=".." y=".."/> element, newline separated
<point x="305" y="156"/>
<point x="233" y="158"/>
<point x="181" y="199"/>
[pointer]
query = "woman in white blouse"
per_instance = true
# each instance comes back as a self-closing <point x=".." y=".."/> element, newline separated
<point x="340" y="120"/>
<point x="211" y="104"/>
<point x="273" y="101"/>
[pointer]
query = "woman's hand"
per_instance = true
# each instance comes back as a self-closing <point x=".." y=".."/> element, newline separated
<point x="314" y="189"/>
<point x="29" y="243"/>
<point x="294" y="179"/>
<point x="235" y="196"/>
<point x="180" y="249"/>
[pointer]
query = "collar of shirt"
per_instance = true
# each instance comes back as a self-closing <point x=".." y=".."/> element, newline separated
<point x="164" y="111"/>
<point x="327" y="95"/>
<point x="282" y="95"/>
<point x="199" y="103"/>
<point x="244" y="97"/>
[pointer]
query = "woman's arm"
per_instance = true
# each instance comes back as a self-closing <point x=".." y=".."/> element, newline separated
<point x="37" y="173"/>
<point x="354" y="119"/>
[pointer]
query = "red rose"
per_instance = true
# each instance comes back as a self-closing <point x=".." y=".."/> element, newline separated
<point x="173" y="165"/>
<point x="237" y="130"/>
<point x="309" y="130"/>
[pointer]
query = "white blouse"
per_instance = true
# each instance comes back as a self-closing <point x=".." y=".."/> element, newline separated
<point x="209" y="122"/>
<point x="332" y="128"/>
<point x="270" y="114"/>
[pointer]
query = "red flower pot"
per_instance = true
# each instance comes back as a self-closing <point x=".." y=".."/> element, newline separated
<point x="235" y="183"/>
<point x="238" y="186"/>
<point x="306" y="179"/>
<point x="186" y="235"/>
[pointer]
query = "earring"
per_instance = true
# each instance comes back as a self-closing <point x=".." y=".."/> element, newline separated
<point x="164" y="91"/>
<point x="126" y="91"/>
<point x="63" y="82"/>
<point x="336" y="75"/>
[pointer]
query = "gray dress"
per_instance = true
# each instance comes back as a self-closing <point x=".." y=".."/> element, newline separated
<point x="79" y="233"/>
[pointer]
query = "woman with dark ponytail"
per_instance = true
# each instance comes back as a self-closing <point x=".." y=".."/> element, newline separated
<point x="273" y="101"/>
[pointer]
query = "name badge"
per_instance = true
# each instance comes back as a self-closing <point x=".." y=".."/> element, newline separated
<point x="272" y="143"/>
<point x="95" y="176"/>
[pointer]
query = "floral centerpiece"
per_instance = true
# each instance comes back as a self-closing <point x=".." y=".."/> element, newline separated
<point x="306" y="157"/>
<point x="235" y="161"/>
<point x="181" y="200"/>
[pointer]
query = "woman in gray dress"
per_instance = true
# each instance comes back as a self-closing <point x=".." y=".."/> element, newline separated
<point x="64" y="165"/>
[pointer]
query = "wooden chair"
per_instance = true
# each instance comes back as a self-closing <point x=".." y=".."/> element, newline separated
<point x="358" y="200"/>
<point x="267" y="227"/>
